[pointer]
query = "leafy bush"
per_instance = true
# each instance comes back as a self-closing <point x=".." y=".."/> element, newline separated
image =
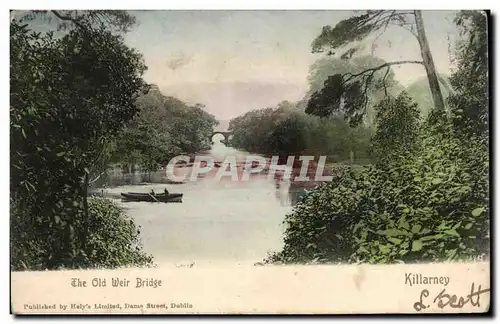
<point x="397" y="130"/>
<point x="112" y="240"/>
<point x="470" y="100"/>
<point x="27" y="248"/>
<point x="427" y="197"/>
<point x="69" y="96"/>
<point x="428" y="205"/>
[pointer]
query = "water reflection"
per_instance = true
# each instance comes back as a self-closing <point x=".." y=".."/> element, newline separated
<point x="218" y="221"/>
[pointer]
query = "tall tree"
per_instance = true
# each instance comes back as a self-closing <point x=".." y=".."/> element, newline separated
<point x="469" y="102"/>
<point x="68" y="95"/>
<point x="382" y="85"/>
<point x="350" y="89"/>
<point x="428" y="61"/>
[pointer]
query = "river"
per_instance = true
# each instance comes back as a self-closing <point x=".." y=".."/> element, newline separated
<point x="224" y="221"/>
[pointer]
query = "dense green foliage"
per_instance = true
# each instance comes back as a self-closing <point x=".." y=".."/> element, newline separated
<point x="288" y="130"/>
<point x="397" y="130"/>
<point x="427" y="205"/>
<point x="78" y="104"/>
<point x="426" y="198"/>
<point x="112" y="240"/>
<point x="165" y="127"/>
<point x="420" y="92"/>
<point x="69" y="95"/>
<point x="470" y="100"/>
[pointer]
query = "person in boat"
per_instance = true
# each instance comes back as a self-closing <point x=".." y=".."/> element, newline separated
<point x="166" y="192"/>
<point x="152" y="192"/>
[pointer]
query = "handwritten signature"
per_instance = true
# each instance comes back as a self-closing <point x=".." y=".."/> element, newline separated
<point x="444" y="299"/>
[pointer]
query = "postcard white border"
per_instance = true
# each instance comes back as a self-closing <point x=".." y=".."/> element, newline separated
<point x="192" y="4"/>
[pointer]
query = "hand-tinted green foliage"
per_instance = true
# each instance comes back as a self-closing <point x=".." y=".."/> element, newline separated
<point x="112" y="241"/>
<point x="398" y="129"/>
<point x="114" y="238"/>
<point x="470" y="101"/>
<point x="429" y="206"/>
<point x="165" y="127"/>
<point x="288" y="130"/>
<point x="69" y="95"/>
<point x="331" y="92"/>
<point x="426" y="198"/>
<point x="290" y="136"/>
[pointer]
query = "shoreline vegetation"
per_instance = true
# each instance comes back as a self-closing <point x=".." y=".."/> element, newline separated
<point x="421" y="194"/>
<point x="410" y="165"/>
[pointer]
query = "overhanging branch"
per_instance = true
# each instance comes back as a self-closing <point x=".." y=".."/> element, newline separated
<point x="67" y="18"/>
<point x="383" y="80"/>
<point x="350" y="76"/>
<point x="385" y="26"/>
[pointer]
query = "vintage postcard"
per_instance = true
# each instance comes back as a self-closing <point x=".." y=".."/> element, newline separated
<point x="249" y="162"/>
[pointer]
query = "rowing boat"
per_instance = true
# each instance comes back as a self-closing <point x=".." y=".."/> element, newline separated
<point x="144" y="196"/>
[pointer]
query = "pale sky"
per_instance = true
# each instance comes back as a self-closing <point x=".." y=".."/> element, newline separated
<point x="235" y="61"/>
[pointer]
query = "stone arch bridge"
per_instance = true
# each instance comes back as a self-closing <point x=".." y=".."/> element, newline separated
<point x="227" y="136"/>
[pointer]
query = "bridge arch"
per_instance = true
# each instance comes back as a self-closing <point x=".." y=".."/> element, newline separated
<point x="226" y="135"/>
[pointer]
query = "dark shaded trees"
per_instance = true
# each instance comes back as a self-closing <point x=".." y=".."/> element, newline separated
<point x="324" y="97"/>
<point x="116" y="21"/>
<point x="288" y="130"/>
<point x="69" y="95"/>
<point x="427" y="199"/>
<point x="163" y="128"/>
<point x="470" y="100"/>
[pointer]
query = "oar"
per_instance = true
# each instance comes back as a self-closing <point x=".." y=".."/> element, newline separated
<point x="153" y="197"/>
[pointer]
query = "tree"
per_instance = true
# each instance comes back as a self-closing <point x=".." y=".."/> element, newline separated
<point x="322" y="90"/>
<point x="252" y="130"/>
<point x="426" y="200"/>
<point x="398" y="129"/>
<point x="350" y="89"/>
<point x="163" y="128"/>
<point x="288" y="130"/>
<point x="69" y="96"/>
<point x="469" y="102"/>
<point x="119" y="21"/>
<point x="290" y="136"/>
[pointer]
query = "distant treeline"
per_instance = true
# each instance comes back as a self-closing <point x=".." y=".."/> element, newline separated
<point x="303" y="128"/>
<point x="164" y="127"/>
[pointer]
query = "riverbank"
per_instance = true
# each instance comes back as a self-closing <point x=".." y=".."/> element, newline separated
<point x="246" y="289"/>
<point x="218" y="221"/>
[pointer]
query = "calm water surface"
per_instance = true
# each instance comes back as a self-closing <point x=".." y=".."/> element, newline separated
<point x="218" y="221"/>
